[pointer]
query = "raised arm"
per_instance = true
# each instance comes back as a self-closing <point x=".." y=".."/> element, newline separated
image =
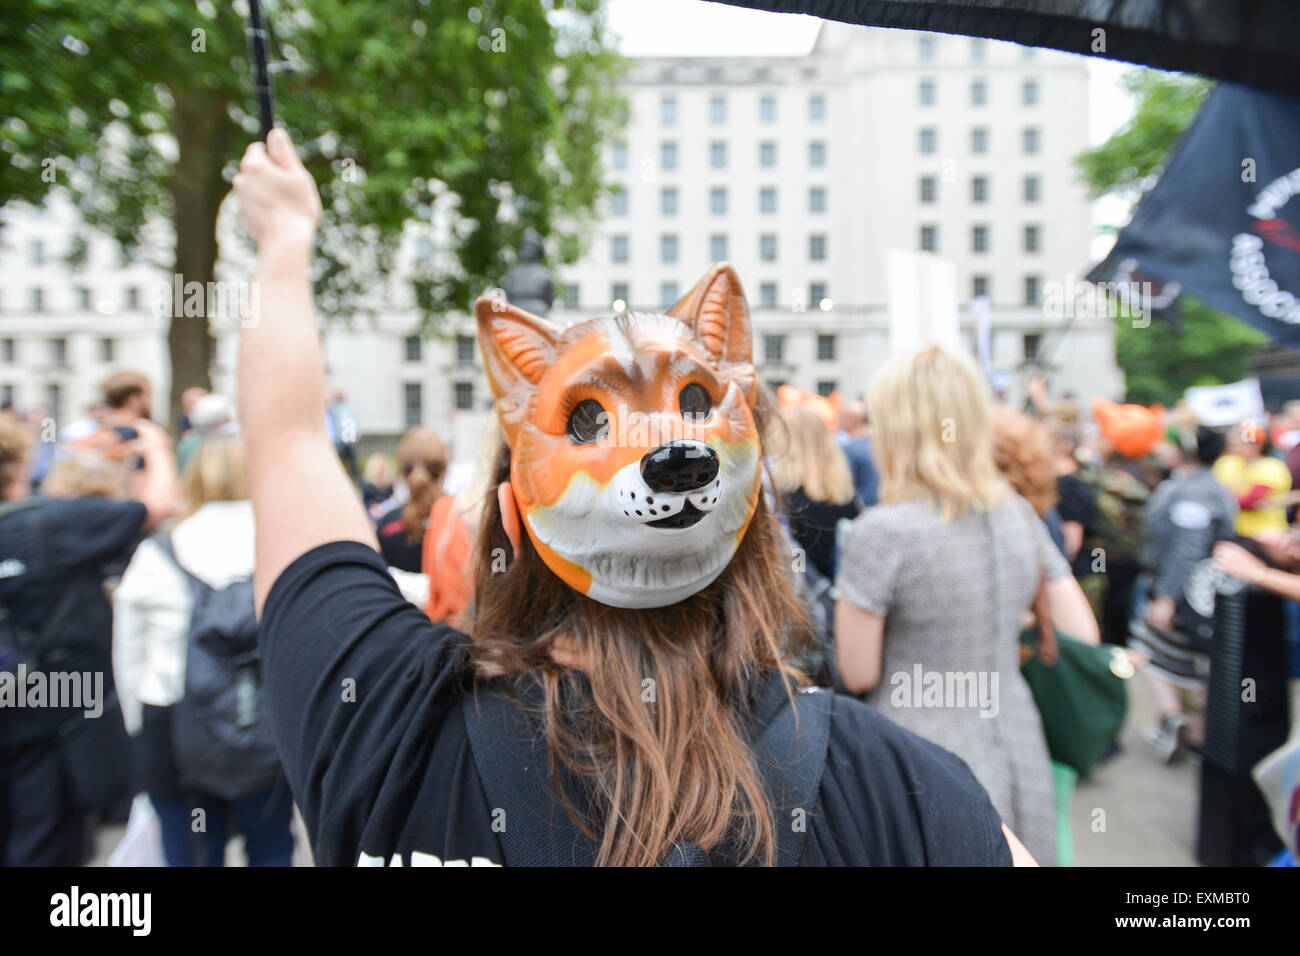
<point x="301" y="496"/>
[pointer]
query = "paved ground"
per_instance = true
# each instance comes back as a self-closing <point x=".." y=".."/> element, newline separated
<point x="1145" y="813"/>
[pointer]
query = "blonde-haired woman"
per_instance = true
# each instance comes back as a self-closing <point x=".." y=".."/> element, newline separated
<point x="933" y="582"/>
<point x="812" y="475"/>
<point x="422" y="464"/>
<point x="152" y="610"/>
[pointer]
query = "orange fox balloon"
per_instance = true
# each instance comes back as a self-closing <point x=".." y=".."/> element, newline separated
<point x="635" y="460"/>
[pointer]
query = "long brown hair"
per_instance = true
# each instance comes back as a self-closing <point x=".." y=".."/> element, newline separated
<point x="423" y="457"/>
<point x="657" y="734"/>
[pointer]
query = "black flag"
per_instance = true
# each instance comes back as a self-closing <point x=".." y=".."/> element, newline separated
<point x="1222" y="221"/>
<point x="1256" y="42"/>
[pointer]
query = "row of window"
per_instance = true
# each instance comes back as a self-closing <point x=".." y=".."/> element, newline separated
<point x="719" y="154"/>
<point x="462" y="397"/>
<point x="669" y="200"/>
<point x="466" y="349"/>
<point x="57" y="351"/>
<point x="774" y="348"/>
<point x="980" y="238"/>
<point x="927" y="92"/>
<point x="1031" y="188"/>
<point x="620" y="247"/>
<point x="37" y="302"/>
<point x="767" y="112"/>
<point x="1030" y="140"/>
<point x="982" y="287"/>
<point x="52" y="399"/>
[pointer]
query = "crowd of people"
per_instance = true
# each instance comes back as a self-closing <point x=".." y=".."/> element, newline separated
<point x="281" y="623"/>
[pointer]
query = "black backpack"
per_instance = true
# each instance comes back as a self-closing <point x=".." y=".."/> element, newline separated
<point x="536" y="830"/>
<point x="221" y="737"/>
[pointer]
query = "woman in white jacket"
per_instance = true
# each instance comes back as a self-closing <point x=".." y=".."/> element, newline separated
<point x="151" y="623"/>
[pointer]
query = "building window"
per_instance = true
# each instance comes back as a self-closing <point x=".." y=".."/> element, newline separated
<point x="668" y="294"/>
<point x="816" y="108"/>
<point x="1031" y="139"/>
<point x="826" y="389"/>
<point x="925" y="48"/>
<point x="1032" y="184"/>
<point x="773" y="349"/>
<point x="569" y="295"/>
<point x="979" y="140"/>
<point x="718" y="201"/>
<point x="618" y="248"/>
<point x="767" y="199"/>
<point x="929" y="140"/>
<point x="465" y="349"/>
<point x="925" y="93"/>
<point x="6" y="396"/>
<point x="979" y="287"/>
<point x="132" y="297"/>
<point x="618" y="202"/>
<point x="1031" y="238"/>
<point x="767" y="247"/>
<point x="413" y="348"/>
<point x="817" y="294"/>
<point x="619" y="292"/>
<point x="59" y="351"/>
<point x="465" y="396"/>
<point x="767" y="153"/>
<point x="83" y="298"/>
<point x="825" y="347"/>
<point x="767" y="109"/>
<point x="718" y="109"/>
<point x="668" y="110"/>
<point x="979" y="189"/>
<point x="718" y="154"/>
<point x="668" y="201"/>
<point x="929" y="189"/>
<point x="767" y="295"/>
<point x="618" y="156"/>
<point x="977" y="48"/>
<point x="979" y="93"/>
<point x="817" y="154"/>
<point x="668" y="154"/>
<point x="1029" y="93"/>
<point x="929" y="238"/>
<point x="718" y="247"/>
<point x="668" y="248"/>
<point x="423" y="249"/>
<point x="38" y="300"/>
<point x="979" y="239"/>
<point x="1031" y="290"/>
<point x="817" y="247"/>
<point x="1033" y="342"/>
<point x="8" y="350"/>
<point x="38" y="252"/>
<point x="1027" y="53"/>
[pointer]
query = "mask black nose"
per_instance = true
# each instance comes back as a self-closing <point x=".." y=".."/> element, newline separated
<point x="680" y="466"/>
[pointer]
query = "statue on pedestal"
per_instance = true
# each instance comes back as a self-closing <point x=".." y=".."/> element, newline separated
<point x="529" y="285"/>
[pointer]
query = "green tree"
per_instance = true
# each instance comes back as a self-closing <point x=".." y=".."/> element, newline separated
<point x="1208" y="347"/>
<point x="494" y="110"/>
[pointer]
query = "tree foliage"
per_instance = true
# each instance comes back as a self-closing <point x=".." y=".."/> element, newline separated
<point x="493" y="111"/>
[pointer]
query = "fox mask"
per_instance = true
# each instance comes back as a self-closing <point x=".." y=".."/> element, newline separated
<point x="635" y="460"/>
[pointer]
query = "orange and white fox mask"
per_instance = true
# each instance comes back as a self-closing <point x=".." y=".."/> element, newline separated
<point x="635" y="460"/>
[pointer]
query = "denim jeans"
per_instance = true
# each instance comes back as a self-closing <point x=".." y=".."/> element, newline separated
<point x="262" y="818"/>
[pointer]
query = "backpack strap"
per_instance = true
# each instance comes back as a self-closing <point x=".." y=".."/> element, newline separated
<point x="514" y="768"/>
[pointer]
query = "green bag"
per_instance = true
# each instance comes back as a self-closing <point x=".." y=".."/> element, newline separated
<point x="1082" y="698"/>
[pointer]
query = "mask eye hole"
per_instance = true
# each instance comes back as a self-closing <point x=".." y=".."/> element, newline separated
<point x="588" y="422"/>
<point x="696" y="403"/>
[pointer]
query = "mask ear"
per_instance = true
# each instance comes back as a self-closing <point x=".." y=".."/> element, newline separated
<point x="517" y="347"/>
<point x="509" y="515"/>
<point x="717" y="312"/>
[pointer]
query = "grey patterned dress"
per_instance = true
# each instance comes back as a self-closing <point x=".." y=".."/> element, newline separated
<point x="952" y="595"/>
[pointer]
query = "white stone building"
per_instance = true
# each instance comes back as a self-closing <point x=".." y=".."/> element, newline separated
<point x="804" y="172"/>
